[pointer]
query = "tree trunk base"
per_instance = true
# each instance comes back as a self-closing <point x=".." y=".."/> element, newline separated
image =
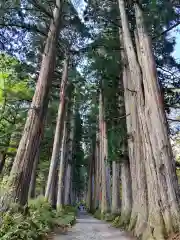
<point x="153" y="234"/>
<point x="125" y="219"/>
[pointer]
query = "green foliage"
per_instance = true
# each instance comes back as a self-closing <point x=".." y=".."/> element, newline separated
<point x="16" y="91"/>
<point x="97" y="214"/>
<point x="33" y="222"/>
<point x="109" y="217"/>
<point x="116" y="222"/>
<point x="106" y="216"/>
<point x="69" y="209"/>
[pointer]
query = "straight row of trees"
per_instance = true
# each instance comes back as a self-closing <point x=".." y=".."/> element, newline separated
<point x="115" y="96"/>
<point x="139" y="181"/>
<point x="26" y="153"/>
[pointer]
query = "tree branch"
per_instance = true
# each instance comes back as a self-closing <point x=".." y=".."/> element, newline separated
<point x="173" y="120"/>
<point x="166" y="31"/>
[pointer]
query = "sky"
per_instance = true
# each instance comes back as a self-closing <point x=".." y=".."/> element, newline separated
<point x="175" y="113"/>
<point x="176" y="33"/>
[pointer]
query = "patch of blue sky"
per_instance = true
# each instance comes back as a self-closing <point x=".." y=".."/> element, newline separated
<point x="176" y="33"/>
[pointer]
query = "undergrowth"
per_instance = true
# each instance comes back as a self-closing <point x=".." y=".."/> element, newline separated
<point x="34" y="222"/>
<point x="97" y="214"/>
<point x="117" y="222"/>
<point x="108" y="217"/>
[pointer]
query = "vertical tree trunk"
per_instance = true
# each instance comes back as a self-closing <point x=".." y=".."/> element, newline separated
<point x="115" y="208"/>
<point x="71" y="193"/>
<point x="20" y="176"/>
<point x="159" y="169"/>
<point x="89" y="190"/>
<point x="126" y="182"/>
<point x="67" y="184"/>
<point x="91" y="182"/>
<point x="4" y="153"/>
<point x="2" y="161"/>
<point x="54" y="190"/>
<point x="103" y="139"/>
<point x="97" y="173"/>
<point x="33" y="176"/>
<point x="100" y="152"/>
<point x="107" y="165"/>
<point x="139" y="213"/>
<point x="68" y="177"/>
<point x="58" y="132"/>
<point x="126" y="204"/>
<point x="163" y="204"/>
<point x="62" y="168"/>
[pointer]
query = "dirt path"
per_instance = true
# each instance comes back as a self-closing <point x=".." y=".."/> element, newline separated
<point x="89" y="228"/>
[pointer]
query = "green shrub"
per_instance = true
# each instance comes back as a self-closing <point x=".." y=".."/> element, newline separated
<point x="116" y="222"/>
<point x="33" y="222"/>
<point x="109" y="217"/>
<point x="97" y="214"/>
<point x="70" y="209"/>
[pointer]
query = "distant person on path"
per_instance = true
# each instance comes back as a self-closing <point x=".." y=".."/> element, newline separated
<point x="81" y="207"/>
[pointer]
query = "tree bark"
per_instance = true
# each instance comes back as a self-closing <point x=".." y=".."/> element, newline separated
<point x="4" y="153"/>
<point x="18" y="184"/>
<point x="163" y="204"/>
<point x="160" y="170"/>
<point x="89" y="190"/>
<point x="126" y="204"/>
<point x="115" y="208"/>
<point x="62" y="168"/>
<point x="97" y="173"/>
<point x="58" y="132"/>
<point x="67" y="185"/>
<point x="54" y="190"/>
<point x="100" y="152"/>
<point x="104" y="155"/>
<point x="139" y="213"/>
<point x="32" y="187"/>
<point x="68" y="177"/>
<point x="2" y="161"/>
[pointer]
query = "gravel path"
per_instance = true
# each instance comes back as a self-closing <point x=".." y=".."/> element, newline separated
<point x="89" y="228"/>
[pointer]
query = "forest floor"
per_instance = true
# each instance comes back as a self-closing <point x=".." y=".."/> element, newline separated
<point x="89" y="228"/>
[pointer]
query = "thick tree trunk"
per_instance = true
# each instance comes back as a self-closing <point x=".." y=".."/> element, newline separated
<point x="58" y="132"/>
<point x="115" y="208"/>
<point x="32" y="187"/>
<point x="126" y="187"/>
<point x="93" y="191"/>
<point x="104" y="155"/>
<point x="71" y="193"/>
<point x="67" y="185"/>
<point x="163" y="204"/>
<point x="126" y="204"/>
<point x="100" y="154"/>
<point x="135" y="147"/>
<point x="160" y="170"/>
<point x="89" y="190"/>
<point x="97" y="172"/>
<point x="2" y="161"/>
<point x="3" y="154"/>
<point x="18" y="184"/>
<point x="54" y="190"/>
<point x="68" y="177"/>
<point x="91" y="182"/>
<point x="107" y="165"/>
<point x="62" y="169"/>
